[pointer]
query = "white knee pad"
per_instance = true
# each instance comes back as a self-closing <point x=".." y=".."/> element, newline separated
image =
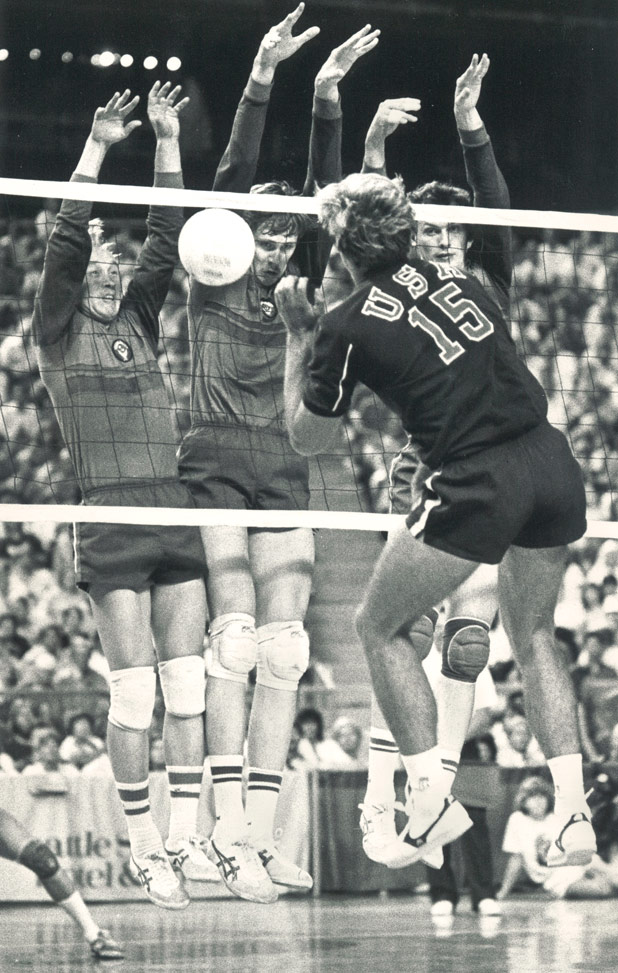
<point x="183" y="684"/>
<point x="233" y="639"/>
<point x="283" y="655"/>
<point x="132" y="697"/>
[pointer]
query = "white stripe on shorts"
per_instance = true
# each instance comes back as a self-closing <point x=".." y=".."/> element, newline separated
<point x="428" y="505"/>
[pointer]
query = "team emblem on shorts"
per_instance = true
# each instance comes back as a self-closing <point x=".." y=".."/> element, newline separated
<point x="122" y="350"/>
<point x="268" y="309"/>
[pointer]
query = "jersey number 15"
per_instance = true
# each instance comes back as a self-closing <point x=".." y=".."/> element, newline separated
<point x="471" y="321"/>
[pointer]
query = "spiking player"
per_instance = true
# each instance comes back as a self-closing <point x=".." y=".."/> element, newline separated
<point x="97" y="353"/>
<point x="473" y="607"/>
<point x="18" y="845"/>
<point x="503" y="486"/>
<point x="237" y="454"/>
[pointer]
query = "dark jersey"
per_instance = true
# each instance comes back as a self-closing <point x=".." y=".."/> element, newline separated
<point x="104" y="379"/>
<point x="436" y="349"/>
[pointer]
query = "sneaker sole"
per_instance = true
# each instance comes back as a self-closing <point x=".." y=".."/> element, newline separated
<point x="301" y="886"/>
<point x="459" y="823"/>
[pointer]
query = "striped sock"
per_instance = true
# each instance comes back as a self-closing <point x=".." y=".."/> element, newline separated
<point x="226" y="770"/>
<point x="450" y="762"/>
<point x="184" y="785"/>
<point x="383" y="762"/>
<point x="262" y="795"/>
<point x="144" y="837"/>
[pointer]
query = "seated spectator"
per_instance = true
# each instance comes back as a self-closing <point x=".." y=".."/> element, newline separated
<point x="21" y="720"/>
<point x="81" y="746"/>
<point x="47" y="647"/>
<point x="46" y="755"/>
<point x="341" y="749"/>
<point x="74" y="671"/>
<point x="309" y="724"/>
<point x="591" y="661"/>
<point x="516" y="747"/>
<point x="526" y="841"/>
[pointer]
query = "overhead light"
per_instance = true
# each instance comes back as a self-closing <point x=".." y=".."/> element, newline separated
<point x="35" y="54"/>
<point x="67" y="57"/>
<point x="106" y="59"/>
<point x="3" y="54"/>
<point x="173" y="63"/>
<point x="126" y="60"/>
<point x="150" y="63"/>
<point x="95" y="60"/>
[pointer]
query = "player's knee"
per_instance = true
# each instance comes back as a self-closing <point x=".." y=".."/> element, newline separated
<point x="465" y="649"/>
<point x="234" y="643"/>
<point x="132" y="697"/>
<point x="283" y="655"/>
<point x="39" y="859"/>
<point x="183" y="684"/>
<point x="421" y="633"/>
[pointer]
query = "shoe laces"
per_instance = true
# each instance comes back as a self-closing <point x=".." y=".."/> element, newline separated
<point x="247" y="858"/>
<point x="161" y="872"/>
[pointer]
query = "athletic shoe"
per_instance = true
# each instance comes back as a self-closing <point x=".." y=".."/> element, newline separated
<point x="489" y="907"/>
<point x="444" y="907"/>
<point x="242" y="871"/>
<point x="451" y="823"/>
<point x="435" y="858"/>
<point x="190" y="857"/>
<point x="104" y="947"/>
<point x="280" y="870"/>
<point x="380" y="839"/>
<point x="576" y="843"/>
<point x="159" y="880"/>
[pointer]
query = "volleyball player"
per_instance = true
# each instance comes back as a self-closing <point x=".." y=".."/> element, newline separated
<point x="18" y="845"/>
<point x="237" y="455"/>
<point x="503" y="487"/>
<point x="97" y="353"/>
<point x="472" y="608"/>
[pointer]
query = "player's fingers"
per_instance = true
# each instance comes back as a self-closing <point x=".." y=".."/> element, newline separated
<point x="131" y="126"/>
<point x="405" y="104"/>
<point x="123" y="99"/>
<point x="293" y="17"/>
<point x="163" y="93"/>
<point x="364" y="48"/>
<point x="182" y="104"/>
<point x="351" y="41"/>
<point x="174" y="93"/>
<point x="128" y="108"/>
<point x="307" y="35"/>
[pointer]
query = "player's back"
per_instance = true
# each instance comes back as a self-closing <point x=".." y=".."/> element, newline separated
<point x="429" y="341"/>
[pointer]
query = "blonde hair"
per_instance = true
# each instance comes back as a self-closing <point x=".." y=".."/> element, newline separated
<point x="370" y="218"/>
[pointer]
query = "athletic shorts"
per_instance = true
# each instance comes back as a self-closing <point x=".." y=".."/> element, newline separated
<point x="526" y="492"/>
<point x="243" y="468"/>
<point x="138" y="556"/>
<point x="405" y="479"/>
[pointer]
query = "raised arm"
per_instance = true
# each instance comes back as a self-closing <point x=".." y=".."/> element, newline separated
<point x="148" y="288"/>
<point x="325" y="143"/>
<point x="236" y="171"/>
<point x="485" y="179"/>
<point x="69" y="246"/>
<point x="390" y="115"/>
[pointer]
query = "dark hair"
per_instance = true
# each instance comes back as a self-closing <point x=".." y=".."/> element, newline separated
<point x="530" y="787"/>
<point x="441" y="194"/>
<point x="274" y="222"/>
<point x="310" y="715"/>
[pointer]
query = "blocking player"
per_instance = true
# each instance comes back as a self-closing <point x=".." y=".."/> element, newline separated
<point x="18" y="845"/>
<point x="503" y="486"/>
<point x="237" y="455"/>
<point x="97" y="353"/>
<point x="473" y="607"/>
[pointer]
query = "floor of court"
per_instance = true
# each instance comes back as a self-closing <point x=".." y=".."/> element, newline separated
<point x="360" y="934"/>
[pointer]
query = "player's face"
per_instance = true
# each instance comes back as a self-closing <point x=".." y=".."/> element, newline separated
<point x="273" y="253"/>
<point x="445" y="243"/>
<point x="102" y="290"/>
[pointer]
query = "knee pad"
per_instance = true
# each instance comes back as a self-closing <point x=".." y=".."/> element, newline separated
<point x="283" y="655"/>
<point x="465" y="649"/>
<point x="421" y="633"/>
<point x="132" y="699"/>
<point x="234" y="643"/>
<point x="183" y="684"/>
<point x="39" y="859"/>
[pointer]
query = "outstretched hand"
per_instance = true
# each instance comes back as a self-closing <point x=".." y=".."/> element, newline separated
<point x="279" y="43"/>
<point x="341" y="59"/>
<point x="468" y="87"/>
<point x="297" y="312"/>
<point x="394" y="112"/>
<point x="163" y="109"/>
<point x="109" y="124"/>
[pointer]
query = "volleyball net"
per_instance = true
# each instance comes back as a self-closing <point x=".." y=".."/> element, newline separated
<point x="563" y="316"/>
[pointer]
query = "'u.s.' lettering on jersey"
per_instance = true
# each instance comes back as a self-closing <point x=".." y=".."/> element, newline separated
<point x="455" y="307"/>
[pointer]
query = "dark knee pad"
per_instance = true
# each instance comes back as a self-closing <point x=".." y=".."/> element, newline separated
<point x="39" y="859"/>
<point x="421" y="633"/>
<point x="465" y="649"/>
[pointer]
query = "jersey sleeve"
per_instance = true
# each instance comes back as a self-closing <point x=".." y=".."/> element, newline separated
<point x="146" y="293"/>
<point x="236" y="171"/>
<point x="331" y="376"/>
<point x="66" y="261"/>
<point x="493" y="249"/>
<point x="324" y="165"/>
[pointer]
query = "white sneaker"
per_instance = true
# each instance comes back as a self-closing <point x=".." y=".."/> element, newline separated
<point x="576" y="842"/>
<point x="451" y="822"/>
<point x="489" y="907"/>
<point x="380" y="838"/>
<point x="242" y="871"/>
<point x="159" y="880"/>
<point x="444" y="907"/>
<point x="280" y="870"/>
<point x="189" y="856"/>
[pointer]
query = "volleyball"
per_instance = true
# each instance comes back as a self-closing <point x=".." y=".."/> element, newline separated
<point x="216" y="247"/>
